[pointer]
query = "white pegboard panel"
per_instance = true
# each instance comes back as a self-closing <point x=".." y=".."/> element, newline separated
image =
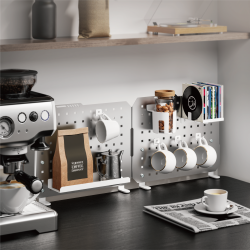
<point x="143" y="136"/>
<point x="71" y="116"/>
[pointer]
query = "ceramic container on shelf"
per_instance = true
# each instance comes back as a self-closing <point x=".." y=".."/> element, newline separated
<point x="44" y="19"/>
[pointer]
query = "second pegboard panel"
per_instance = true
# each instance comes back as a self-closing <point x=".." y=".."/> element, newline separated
<point x="72" y="116"/>
<point x="143" y="136"/>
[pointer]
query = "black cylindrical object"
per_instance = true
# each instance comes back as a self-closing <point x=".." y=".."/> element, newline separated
<point x="44" y="19"/>
<point x="32" y="183"/>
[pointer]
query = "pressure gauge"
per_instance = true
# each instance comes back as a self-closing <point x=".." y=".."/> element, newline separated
<point x="6" y="127"/>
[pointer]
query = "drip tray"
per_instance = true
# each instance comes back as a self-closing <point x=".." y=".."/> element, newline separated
<point x="35" y="216"/>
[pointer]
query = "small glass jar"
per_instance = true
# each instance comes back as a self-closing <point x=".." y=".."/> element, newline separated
<point x="165" y="103"/>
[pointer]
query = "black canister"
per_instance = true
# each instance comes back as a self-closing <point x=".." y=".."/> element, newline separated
<point x="44" y="19"/>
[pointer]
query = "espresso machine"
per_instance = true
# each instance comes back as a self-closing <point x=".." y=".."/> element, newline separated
<point x="26" y="118"/>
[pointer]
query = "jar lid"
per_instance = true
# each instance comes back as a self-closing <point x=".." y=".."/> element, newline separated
<point x="164" y="93"/>
<point x="17" y="72"/>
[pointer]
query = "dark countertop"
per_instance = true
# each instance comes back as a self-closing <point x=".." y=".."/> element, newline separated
<point x="116" y="221"/>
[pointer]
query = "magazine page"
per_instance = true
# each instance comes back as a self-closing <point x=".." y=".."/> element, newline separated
<point x="184" y="215"/>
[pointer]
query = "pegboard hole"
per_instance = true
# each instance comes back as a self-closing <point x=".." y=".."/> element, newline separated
<point x="177" y="145"/>
<point x="149" y="148"/>
<point x="142" y="123"/>
<point x="67" y="123"/>
<point x="177" y="120"/>
<point x="149" y="131"/>
<point x="74" y="121"/>
<point x="50" y="143"/>
<point x="121" y="143"/>
<point x="99" y="146"/>
<point x="149" y="139"/>
<point x="211" y="132"/>
<point x="163" y="138"/>
<point x="211" y="124"/>
<point x="121" y="126"/>
<point x="106" y="145"/>
<point x="42" y="153"/>
<point x="184" y="135"/>
<point x="50" y="161"/>
<point x="58" y="123"/>
<point x="191" y="134"/>
<point x="170" y="137"/>
<point x="191" y="126"/>
<point x="198" y="126"/>
<point x="121" y="134"/>
<point x="142" y="132"/>
<point x="191" y="143"/>
<point x="121" y="117"/>
<point x="149" y="174"/>
<point x="156" y="173"/>
<point x="90" y="147"/>
<point x="113" y="144"/>
<point x="204" y="125"/>
<point x="141" y="140"/>
<point x="82" y="121"/>
<point x="184" y="127"/>
<point x="90" y="138"/>
<point x="204" y="133"/>
<point x="170" y="146"/>
<point x="177" y="127"/>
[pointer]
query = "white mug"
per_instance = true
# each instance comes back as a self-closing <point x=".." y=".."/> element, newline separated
<point x="185" y="157"/>
<point x="206" y="155"/>
<point x="163" y="160"/>
<point x="106" y="129"/>
<point x="14" y="197"/>
<point x="215" y="200"/>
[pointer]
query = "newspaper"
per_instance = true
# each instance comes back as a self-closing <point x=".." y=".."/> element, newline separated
<point x="183" y="214"/>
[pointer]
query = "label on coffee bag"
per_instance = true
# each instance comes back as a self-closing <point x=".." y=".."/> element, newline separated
<point x="76" y="157"/>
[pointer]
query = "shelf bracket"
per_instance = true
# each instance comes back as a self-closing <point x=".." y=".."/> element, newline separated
<point x="122" y="189"/>
<point x="213" y="175"/>
<point x="142" y="185"/>
<point x="44" y="202"/>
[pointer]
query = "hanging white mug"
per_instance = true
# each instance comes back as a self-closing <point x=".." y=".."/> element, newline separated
<point x="206" y="155"/>
<point x="106" y="129"/>
<point x="185" y="157"/>
<point x="163" y="160"/>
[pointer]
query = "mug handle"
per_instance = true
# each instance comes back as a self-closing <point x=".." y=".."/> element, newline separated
<point x="201" y="140"/>
<point x="180" y="144"/>
<point x="105" y="116"/>
<point x="163" y="146"/>
<point x="185" y="144"/>
<point x="97" y="166"/>
<point x="203" y="201"/>
<point x="31" y="199"/>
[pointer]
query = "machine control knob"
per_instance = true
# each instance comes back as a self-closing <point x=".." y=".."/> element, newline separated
<point x="33" y="116"/>
<point x="45" y="115"/>
<point x="21" y="117"/>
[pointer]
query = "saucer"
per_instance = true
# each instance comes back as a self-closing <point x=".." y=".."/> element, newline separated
<point x="202" y="209"/>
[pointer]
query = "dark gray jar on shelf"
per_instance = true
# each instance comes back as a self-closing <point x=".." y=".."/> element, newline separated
<point x="44" y="19"/>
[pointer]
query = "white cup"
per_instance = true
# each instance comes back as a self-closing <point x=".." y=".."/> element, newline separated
<point x="163" y="160"/>
<point x="215" y="200"/>
<point x="106" y="129"/>
<point x="185" y="157"/>
<point x="206" y="155"/>
<point x="14" y="197"/>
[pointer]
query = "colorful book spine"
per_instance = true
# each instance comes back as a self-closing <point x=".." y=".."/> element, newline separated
<point x="208" y="103"/>
<point x="213" y="103"/>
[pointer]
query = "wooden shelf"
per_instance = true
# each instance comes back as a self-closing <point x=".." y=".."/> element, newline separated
<point x="115" y="40"/>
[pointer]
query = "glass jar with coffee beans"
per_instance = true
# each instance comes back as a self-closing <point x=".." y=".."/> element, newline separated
<point x="165" y="103"/>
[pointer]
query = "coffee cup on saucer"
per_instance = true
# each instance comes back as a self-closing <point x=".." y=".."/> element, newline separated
<point x="215" y="200"/>
<point x="14" y="197"/>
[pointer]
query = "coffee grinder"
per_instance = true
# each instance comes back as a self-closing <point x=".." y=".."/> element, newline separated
<point x="26" y="117"/>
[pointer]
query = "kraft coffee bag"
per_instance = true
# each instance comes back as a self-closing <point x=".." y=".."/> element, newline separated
<point x="72" y="162"/>
<point x="93" y="18"/>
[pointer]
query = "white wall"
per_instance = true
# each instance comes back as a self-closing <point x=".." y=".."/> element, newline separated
<point x="234" y="73"/>
<point x="96" y="75"/>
